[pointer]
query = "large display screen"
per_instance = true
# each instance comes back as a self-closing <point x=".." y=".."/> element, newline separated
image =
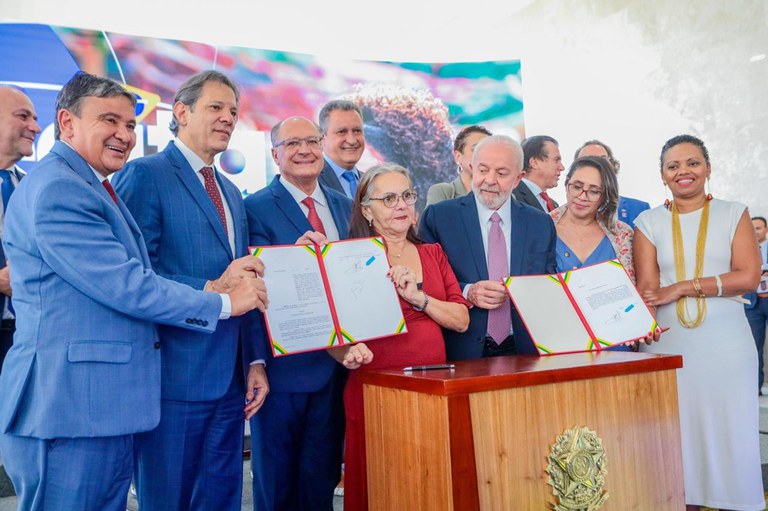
<point x="412" y="111"/>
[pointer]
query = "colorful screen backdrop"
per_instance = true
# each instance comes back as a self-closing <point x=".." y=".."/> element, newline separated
<point x="412" y="111"/>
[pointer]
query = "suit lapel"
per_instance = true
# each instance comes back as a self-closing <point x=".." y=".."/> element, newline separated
<point x="192" y="183"/>
<point x="232" y="196"/>
<point x="340" y="217"/>
<point x="82" y="169"/>
<point x="329" y="179"/>
<point x="473" y="235"/>
<point x="527" y="196"/>
<point x="518" y="233"/>
<point x="288" y="206"/>
<point x="138" y="237"/>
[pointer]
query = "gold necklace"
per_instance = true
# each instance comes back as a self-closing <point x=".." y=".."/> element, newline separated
<point x="677" y="249"/>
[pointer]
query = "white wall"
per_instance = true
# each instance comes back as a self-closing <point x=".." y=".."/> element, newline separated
<point x="632" y="74"/>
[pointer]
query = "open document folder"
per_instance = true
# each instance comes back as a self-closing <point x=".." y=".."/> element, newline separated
<point x="326" y="296"/>
<point x="587" y="309"/>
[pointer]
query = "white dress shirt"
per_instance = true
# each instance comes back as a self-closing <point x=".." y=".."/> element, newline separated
<point x="321" y="205"/>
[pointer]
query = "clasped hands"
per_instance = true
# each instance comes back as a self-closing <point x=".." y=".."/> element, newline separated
<point x="243" y="283"/>
<point x="487" y="294"/>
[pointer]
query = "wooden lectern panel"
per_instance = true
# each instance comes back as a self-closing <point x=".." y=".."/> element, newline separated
<point x="632" y="415"/>
<point x="408" y="451"/>
<point x="478" y="438"/>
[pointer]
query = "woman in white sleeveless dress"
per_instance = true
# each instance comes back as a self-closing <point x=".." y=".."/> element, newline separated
<point x="691" y="260"/>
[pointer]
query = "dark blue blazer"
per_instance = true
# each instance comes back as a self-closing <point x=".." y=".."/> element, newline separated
<point x="629" y="209"/>
<point x="455" y="225"/>
<point x="329" y="179"/>
<point x="187" y="243"/>
<point x="274" y="218"/>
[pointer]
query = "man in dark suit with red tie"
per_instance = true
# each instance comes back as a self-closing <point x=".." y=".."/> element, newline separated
<point x="542" y="166"/>
<point x="193" y="220"/>
<point x="18" y="129"/>
<point x="299" y="431"/>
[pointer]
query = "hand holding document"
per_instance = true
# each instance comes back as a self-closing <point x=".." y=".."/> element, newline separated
<point x="588" y="309"/>
<point x="326" y="296"/>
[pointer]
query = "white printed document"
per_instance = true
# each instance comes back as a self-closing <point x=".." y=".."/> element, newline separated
<point x="587" y="309"/>
<point x="325" y="296"/>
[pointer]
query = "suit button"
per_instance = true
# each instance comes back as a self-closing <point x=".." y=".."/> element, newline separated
<point x="205" y="322"/>
<point x="157" y="345"/>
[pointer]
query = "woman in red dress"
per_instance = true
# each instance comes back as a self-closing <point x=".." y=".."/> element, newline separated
<point x="430" y="298"/>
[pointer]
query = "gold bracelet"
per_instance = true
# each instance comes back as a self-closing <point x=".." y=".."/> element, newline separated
<point x="697" y="288"/>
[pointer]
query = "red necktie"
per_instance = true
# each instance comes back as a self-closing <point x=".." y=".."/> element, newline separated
<point x="110" y="190"/>
<point x="312" y="216"/>
<point x="548" y="201"/>
<point x="500" y="318"/>
<point x="213" y="193"/>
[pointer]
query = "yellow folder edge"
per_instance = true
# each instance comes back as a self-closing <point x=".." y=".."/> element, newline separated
<point x="279" y="348"/>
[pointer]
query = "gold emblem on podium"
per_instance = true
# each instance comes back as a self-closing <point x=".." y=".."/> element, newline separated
<point x="577" y="470"/>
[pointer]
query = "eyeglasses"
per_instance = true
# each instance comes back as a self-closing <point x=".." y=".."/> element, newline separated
<point x="293" y="144"/>
<point x="390" y="200"/>
<point x="576" y="189"/>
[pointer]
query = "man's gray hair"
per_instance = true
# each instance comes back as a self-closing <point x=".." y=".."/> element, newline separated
<point x="191" y="90"/>
<point x="337" y="104"/>
<point x="501" y="140"/>
<point x="84" y="85"/>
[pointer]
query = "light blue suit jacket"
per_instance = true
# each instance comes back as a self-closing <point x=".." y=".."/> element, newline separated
<point x="187" y="243"/>
<point x="85" y="360"/>
<point x="455" y="225"/>
<point x="274" y="218"/>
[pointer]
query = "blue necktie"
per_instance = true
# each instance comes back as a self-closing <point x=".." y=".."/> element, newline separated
<point x="351" y="177"/>
<point x="7" y="187"/>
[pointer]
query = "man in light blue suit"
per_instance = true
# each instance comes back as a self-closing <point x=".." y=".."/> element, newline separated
<point x="628" y="208"/>
<point x="83" y="374"/>
<point x="463" y="227"/>
<point x="193" y="219"/>
<point x="297" y="436"/>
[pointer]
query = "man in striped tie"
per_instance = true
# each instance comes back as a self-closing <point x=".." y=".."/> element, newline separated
<point x="193" y="219"/>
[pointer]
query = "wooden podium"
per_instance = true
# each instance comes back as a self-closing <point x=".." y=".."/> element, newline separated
<point x="478" y="437"/>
